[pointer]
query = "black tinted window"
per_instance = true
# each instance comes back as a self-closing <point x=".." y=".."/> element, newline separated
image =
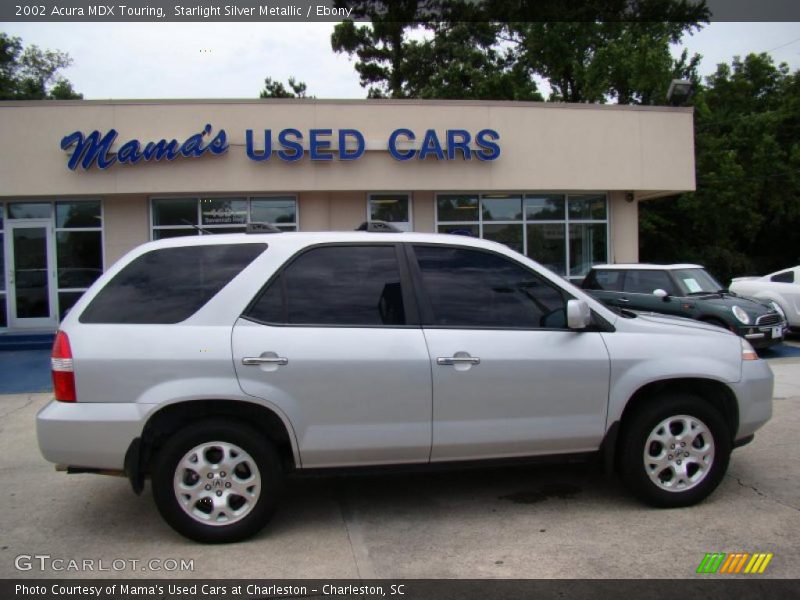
<point x="646" y="282"/>
<point x="785" y="277"/>
<point x="335" y="285"/>
<point x="603" y="279"/>
<point x="471" y="288"/>
<point x="169" y="285"/>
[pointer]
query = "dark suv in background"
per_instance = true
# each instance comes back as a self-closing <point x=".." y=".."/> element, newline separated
<point x="686" y="290"/>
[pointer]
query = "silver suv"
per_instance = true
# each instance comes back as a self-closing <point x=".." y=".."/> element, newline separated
<point x="214" y="365"/>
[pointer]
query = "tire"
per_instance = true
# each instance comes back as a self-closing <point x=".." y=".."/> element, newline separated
<point x="696" y="429"/>
<point x="217" y="481"/>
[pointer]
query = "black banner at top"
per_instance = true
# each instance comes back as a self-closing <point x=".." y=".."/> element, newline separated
<point x="397" y="10"/>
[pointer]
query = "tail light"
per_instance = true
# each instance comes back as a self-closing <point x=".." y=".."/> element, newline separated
<point x="63" y="372"/>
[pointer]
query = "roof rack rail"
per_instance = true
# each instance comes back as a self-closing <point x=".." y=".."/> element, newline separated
<point x="378" y="227"/>
<point x="262" y="228"/>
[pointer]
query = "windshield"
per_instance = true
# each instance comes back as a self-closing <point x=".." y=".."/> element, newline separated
<point x="696" y="281"/>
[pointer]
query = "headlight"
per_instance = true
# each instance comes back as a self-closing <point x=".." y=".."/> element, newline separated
<point x="740" y="314"/>
<point x="778" y="309"/>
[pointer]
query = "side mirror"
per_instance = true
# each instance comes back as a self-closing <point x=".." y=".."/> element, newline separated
<point x="578" y="314"/>
<point x="659" y="293"/>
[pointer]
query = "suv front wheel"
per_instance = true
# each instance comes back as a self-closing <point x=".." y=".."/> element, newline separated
<point x="216" y="481"/>
<point x="674" y="451"/>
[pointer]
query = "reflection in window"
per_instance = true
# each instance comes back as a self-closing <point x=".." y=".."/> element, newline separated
<point x="392" y="208"/>
<point x="223" y="211"/>
<point x="546" y="245"/>
<point x="336" y="285"/>
<point x="473" y="288"/>
<point x="78" y="214"/>
<point x="503" y="208"/>
<point x="587" y="247"/>
<point x="539" y="225"/>
<point x="456" y="207"/>
<point x="29" y="210"/>
<point x="276" y="210"/>
<point x="79" y="256"/>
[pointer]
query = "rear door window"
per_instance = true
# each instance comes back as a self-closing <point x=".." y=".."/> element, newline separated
<point x="346" y="286"/>
<point x="169" y="285"/>
<point x="605" y="280"/>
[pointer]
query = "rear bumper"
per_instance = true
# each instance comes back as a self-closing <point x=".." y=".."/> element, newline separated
<point x="754" y="393"/>
<point x="89" y="434"/>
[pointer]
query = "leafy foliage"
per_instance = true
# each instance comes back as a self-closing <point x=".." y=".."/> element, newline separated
<point x="32" y="73"/>
<point x="276" y="89"/>
<point x="586" y="51"/>
<point x="744" y="217"/>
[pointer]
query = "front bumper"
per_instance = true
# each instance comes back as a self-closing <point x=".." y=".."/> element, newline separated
<point x="94" y="435"/>
<point x="754" y="394"/>
<point x="763" y="336"/>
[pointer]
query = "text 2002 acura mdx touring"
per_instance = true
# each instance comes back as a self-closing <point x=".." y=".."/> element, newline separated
<point x="215" y="364"/>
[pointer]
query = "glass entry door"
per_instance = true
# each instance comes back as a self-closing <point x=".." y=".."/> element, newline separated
<point x="31" y="293"/>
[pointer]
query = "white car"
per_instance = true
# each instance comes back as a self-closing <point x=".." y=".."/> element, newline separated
<point x="781" y="287"/>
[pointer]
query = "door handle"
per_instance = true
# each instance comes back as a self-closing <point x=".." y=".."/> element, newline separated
<point x="458" y="360"/>
<point x="265" y="360"/>
<point x="624" y="300"/>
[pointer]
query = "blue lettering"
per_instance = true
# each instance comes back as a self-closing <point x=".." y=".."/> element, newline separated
<point x="219" y="145"/>
<point x="431" y="145"/>
<point x="397" y="154"/>
<point x="160" y="150"/>
<point x="488" y="149"/>
<point x="129" y="153"/>
<point x="90" y="149"/>
<point x="193" y="146"/>
<point x="458" y="139"/>
<point x="296" y="146"/>
<point x="252" y="154"/>
<point x="358" y="152"/>
<point x="316" y="145"/>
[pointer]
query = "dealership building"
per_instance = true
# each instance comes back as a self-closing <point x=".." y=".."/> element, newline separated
<point x="83" y="182"/>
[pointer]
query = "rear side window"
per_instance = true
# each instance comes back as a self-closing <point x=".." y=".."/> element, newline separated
<point x="785" y="277"/>
<point x="169" y="285"/>
<point x="604" y="280"/>
<point x="472" y="288"/>
<point x="346" y="286"/>
<point x="646" y="282"/>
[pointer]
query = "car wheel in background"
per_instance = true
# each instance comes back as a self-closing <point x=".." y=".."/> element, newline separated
<point x="674" y="450"/>
<point x="216" y="481"/>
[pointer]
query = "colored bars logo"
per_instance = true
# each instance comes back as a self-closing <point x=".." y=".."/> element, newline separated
<point x="735" y="563"/>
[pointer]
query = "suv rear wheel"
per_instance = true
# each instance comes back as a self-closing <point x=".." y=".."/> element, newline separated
<point x="216" y="481"/>
<point x="674" y="451"/>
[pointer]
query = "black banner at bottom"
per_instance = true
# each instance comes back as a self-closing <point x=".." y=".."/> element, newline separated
<point x="399" y="589"/>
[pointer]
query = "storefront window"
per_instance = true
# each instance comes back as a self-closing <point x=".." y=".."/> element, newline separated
<point x="79" y="249"/>
<point x="177" y="217"/>
<point x="391" y="208"/>
<point x="29" y="210"/>
<point x="567" y="233"/>
<point x="280" y="211"/>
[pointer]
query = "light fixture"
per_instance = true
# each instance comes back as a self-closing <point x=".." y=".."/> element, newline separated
<point x="679" y="91"/>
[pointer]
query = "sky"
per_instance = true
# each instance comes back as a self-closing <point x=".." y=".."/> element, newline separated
<point x="231" y="60"/>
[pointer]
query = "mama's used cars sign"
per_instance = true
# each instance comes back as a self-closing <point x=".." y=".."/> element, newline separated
<point x="287" y="145"/>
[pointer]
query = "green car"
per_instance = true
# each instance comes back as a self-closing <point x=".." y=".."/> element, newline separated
<point x="686" y="291"/>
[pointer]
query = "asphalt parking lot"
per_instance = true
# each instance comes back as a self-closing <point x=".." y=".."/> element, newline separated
<point x="566" y="521"/>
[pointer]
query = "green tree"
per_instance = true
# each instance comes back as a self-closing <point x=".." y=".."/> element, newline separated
<point x="744" y="217"/>
<point x="614" y="50"/>
<point x="276" y="89"/>
<point x="32" y="73"/>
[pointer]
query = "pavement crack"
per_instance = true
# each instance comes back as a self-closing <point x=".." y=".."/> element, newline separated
<point x="763" y="495"/>
<point x="19" y="408"/>
<point x="355" y="539"/>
